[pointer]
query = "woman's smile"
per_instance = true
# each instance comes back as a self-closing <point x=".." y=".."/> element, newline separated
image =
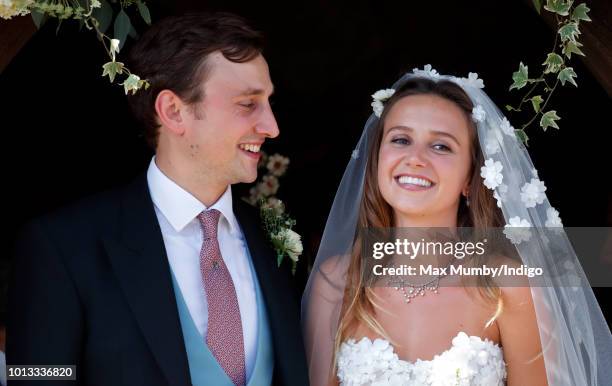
<point x="414" y="182"/>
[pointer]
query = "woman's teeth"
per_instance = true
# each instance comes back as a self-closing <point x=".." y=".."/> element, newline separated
<point x="414" y="181"/>
<point x="250" y="147"/>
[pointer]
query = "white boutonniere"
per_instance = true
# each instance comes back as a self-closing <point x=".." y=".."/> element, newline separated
<point x="276" y="222"/>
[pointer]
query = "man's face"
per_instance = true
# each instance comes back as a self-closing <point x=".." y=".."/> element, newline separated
<point x="227" y="128"/>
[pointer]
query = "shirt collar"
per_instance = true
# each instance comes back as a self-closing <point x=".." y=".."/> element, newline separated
<point x="179" y="206"/>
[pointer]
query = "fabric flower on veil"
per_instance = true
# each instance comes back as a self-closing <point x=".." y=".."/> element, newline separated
<point x="478" y="114"/>
<point x="491" y="145"/>
<point x="427" y="71"/>
<point x="379" y="97"/>
<point x="500" y="194"/>
<point x="506" y="127"/>
<point x="472" y="81"/>
<point x="552" y="218"/>
<point x="491" y="172"/>
<point x="517" y="230"/>
<point x="532" y="193"/>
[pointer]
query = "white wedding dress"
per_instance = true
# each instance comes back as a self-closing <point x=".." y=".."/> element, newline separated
<point x="470" y="361"/>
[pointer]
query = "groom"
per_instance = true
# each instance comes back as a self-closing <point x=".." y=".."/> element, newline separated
<point x="169" y="281"/>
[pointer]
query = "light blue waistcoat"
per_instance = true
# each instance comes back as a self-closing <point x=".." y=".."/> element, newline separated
<point x="203" y="367"/>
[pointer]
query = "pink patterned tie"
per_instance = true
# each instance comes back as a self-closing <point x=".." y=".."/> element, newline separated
<point x="224" y="337"/>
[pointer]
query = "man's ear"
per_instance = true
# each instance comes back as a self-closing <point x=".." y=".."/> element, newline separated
<point x="171" y="111"/>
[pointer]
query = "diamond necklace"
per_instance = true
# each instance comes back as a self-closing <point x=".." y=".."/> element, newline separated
<point x="411" y="291"/>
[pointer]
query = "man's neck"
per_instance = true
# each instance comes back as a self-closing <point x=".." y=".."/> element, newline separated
<point x="204" y="189"/>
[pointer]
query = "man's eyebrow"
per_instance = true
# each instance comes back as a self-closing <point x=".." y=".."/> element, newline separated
<point x="254" y="92"/>
<point x="437" y="132"/>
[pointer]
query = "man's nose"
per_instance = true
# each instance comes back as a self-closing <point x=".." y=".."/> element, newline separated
<point x="267" y="124"/>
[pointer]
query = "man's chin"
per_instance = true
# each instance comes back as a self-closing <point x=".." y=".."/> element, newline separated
<point x="247" y="178"/>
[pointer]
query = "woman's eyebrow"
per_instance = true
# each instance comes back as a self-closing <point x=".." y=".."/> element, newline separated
<point x="435" y="132"/>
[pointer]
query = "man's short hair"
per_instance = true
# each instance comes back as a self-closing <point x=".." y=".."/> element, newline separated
<point x="172" y="55"/>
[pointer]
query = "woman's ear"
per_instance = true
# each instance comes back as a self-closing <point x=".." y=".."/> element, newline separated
<point x="170" y="111"/>
<point x="466" y="188"/>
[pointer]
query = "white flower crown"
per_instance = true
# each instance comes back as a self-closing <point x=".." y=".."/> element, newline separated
<point x="532" y="193"/>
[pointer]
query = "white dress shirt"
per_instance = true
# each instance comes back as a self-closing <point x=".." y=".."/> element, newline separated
<point x="177" y="211"/>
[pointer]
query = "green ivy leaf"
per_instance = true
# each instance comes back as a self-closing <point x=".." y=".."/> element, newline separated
<point x="549" y="120"/>
<point x="553" y="63"/>
<point x="567" y="75"/>
<point x="142" y="83"/>
<point x="520" y="77"/>
<point x="133" y="34"/>
<point x="510" y="108"/>
<point x="104" y="15"/>
<point x="571" y="47"/>
<point x="560" y="7"/>
<point x="536" y="101"/>
<point x="112" y="69"/>
<point x="581" y="13"/>
<point x="522" y="136"/>
<point x="537" y="5"/>
<point x="569" y="31"/>
<point x="38" y="18"/>
<point x="59" y="24"/>
<point x="122" y="27"/>
<point x="131" y="83"/>
<point x="144" y="12"/>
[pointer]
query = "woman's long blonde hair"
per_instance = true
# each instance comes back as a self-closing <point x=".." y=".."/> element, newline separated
<point x="359" y="303"/>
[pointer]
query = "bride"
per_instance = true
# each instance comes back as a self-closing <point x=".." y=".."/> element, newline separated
<point x="438" y="153"/>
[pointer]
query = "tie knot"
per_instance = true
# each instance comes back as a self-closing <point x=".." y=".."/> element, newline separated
<point x="209" y="220"/>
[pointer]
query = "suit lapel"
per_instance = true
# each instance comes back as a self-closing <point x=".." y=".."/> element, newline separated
<point x="141" y="265"/>
<point x="290" y="361"/>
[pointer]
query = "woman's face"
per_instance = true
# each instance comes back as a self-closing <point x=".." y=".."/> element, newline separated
<point x="424" y="160"/>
